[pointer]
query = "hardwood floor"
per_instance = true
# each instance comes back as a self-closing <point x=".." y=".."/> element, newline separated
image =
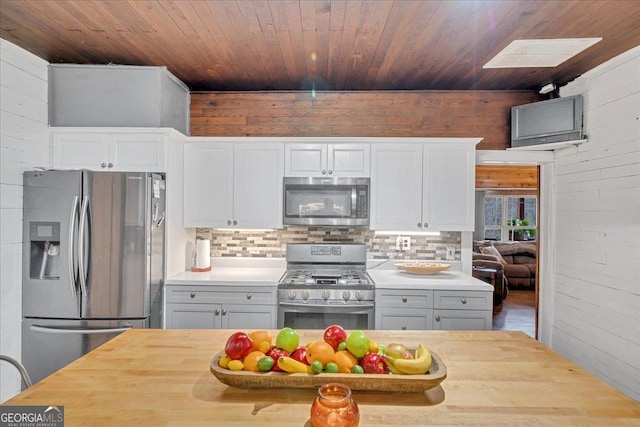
<point x="517" y="313"/>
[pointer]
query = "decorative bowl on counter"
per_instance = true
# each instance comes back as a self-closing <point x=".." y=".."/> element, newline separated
<point x="374" y="382"/>
<point x="423" y="267"/>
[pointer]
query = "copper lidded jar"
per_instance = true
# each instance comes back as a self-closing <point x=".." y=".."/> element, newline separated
<point x="334" y="407"/>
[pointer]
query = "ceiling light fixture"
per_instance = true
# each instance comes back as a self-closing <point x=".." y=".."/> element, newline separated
<point x="534" y="53"/>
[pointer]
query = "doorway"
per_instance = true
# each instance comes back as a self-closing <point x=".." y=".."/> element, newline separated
<point x="507" y="212"/>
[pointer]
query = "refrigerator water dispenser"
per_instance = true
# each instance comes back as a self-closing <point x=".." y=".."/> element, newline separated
<point x="44" y="262"/>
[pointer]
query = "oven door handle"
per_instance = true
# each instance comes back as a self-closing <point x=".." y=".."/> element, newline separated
<point x="302" y="305"/>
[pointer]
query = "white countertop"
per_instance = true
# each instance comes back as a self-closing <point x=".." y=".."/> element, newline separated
<point x="447" y="280"/>
<point x="235" y="271"/>
<point x="267" y="272"/>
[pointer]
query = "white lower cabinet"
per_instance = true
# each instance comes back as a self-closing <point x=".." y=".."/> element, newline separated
<point x="226" y="307"/>
<point x="404" y="319"/>
<point x="406" y="309"/>
<point x="468" y="320"/>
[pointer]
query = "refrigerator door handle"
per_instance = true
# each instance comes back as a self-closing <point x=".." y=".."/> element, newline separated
<point x="62" y="330"/>
<point x="72" y="226"/>
<point x="84" y="220"/>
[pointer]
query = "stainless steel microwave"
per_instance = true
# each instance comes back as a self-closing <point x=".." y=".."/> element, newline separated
<point x="326" y="201"/>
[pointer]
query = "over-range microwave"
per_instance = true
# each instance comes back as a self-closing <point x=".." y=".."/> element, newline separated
<point x="326" y="201"/>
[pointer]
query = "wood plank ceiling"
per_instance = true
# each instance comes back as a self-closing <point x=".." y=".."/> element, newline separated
<point x="330" y="44"/>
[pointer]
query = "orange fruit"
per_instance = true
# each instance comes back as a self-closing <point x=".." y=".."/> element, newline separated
<point x="345" y="361"/>
<point x="258" y="337"/>
<point x="320" y="350"/>
<point x="250" y="361"/>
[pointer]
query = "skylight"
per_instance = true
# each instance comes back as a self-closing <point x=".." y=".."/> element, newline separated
<point x="539" y="52"/>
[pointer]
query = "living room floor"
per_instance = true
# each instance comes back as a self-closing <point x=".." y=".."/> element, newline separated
<point x="517" y="312"/>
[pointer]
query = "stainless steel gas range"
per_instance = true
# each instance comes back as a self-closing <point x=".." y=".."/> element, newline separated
<point x="326" y="284"/>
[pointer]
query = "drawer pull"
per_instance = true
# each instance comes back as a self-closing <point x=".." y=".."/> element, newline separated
<point x="463" y="300"/>
<point x="404" y="299"/>
<point x="193" y="295"/>
<point x="437" y="317"/>
<point x="224" y="312"/>
<point x="249" y="296"/>
<point x="404" y="328"/>
<point x="217" y="312"/>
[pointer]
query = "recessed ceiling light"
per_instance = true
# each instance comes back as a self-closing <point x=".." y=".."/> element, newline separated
<point x="539" y="52"/>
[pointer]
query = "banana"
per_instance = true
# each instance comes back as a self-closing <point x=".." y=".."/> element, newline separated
<point x="418" y="366"/>
<point x="391" y="366"/>
<point x="292" y="366"/>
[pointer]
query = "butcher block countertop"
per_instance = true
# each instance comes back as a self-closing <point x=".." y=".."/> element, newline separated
<point x="149" y="377"/>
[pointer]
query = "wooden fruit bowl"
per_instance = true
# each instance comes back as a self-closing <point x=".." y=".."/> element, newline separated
<point x="423" y="267"/>
<point x="373" y="382"/>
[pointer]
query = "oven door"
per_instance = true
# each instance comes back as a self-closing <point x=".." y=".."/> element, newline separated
<point x="320" y="316"/>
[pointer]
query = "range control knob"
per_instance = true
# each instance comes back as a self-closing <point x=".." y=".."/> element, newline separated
<point x="359" y="295"/>
<point x="305" y="295"/>
<point x="291" y="294"/>
<point x="346" y="295"/>
<point x="326" y="294"/>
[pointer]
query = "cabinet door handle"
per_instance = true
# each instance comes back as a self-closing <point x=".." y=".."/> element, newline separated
<point x="235" y="222"/>
<point x="217" y="312"/>
<point x="110" y="165"/>
<point x="324" y="172"/>
<point x="404" y="299"/>
<point x="228" y="222"/>
<point x="193" y="295"/>
<point x="404" y="328"/>
<point x="437" y="317"/>
<point x="419" y="225"/>
<point x="463" y="300"/>
<point x="425" y="225"/>
<point x="330" y="172"/>
<point x="249" y="296"/>
<point x="224" y="312"/>
<point x="103" y="165"/>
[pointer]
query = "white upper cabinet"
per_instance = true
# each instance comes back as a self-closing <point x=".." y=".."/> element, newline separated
<point x="351" y="160"/>
<point x="448" y="187"/>
<point x="396" y="186"/>
<point x="257" y="183"/>
<point x="104" y="149"/>
<point x="233" y="185"/>
<point x="423" y="187"/>
<point x="208" y="184"/>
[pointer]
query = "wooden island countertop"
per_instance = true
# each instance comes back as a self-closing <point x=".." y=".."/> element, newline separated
<point x="147" y="377"/>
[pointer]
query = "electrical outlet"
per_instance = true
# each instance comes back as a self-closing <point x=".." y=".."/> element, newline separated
<point x="403" y="243"/>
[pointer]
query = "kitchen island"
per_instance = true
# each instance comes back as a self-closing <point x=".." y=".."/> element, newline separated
<point x="151" y="377"/>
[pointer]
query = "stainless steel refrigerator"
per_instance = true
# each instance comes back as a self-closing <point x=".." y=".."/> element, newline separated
<point x="93" y="262"/>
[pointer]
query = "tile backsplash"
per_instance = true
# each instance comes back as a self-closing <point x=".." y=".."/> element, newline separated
<point x="273" y="244"/>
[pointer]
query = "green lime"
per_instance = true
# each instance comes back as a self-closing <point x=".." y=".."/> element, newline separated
<point x="332" y="368"/>
<point x="357" y="369"/>
<point x="382" y="349"/>
<point x="287" y="339"/>
<point x="342" y="346"/>
<point x="316" y="366"/>
<point x="265" y="364"/>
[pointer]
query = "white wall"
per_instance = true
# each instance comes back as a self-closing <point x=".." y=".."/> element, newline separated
<point x="24" y="145"/>
<point x="596" y="266"/>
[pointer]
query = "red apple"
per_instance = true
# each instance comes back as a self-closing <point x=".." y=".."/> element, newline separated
<point x="275" y="353"/>
<point x="300" y="354"/>
<point x="373" y="363"/>
<point x="238" y="345"/>
<point x="334" y="335"/>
